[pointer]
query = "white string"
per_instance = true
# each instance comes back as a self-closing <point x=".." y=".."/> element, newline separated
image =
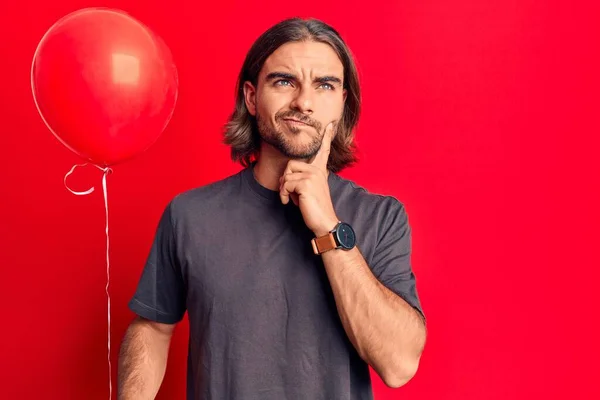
<point x="105" y="171"/>
<point x="70" y="172"/>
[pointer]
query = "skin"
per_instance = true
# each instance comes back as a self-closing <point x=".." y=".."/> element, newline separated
<point x="385" y="330"/>
<point x="301" y="81"/>
<point x="313" y="93"/>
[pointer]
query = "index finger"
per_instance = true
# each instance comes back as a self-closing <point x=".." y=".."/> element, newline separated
<point x="322" y="156"/>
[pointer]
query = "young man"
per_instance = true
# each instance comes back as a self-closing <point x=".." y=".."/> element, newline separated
<point x="295" y="280"/>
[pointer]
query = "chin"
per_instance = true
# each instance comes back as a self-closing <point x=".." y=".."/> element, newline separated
<point x="298" y="152"/>
<point x="296" y="144"/>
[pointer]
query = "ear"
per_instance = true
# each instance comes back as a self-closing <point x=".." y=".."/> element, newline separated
<point x="345" y="94"/>
<point x="250" y="97"/>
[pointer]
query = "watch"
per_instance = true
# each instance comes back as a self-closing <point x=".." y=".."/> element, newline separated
<point x="340" y="237"/>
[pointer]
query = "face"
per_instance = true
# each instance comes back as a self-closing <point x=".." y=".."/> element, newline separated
<point x="299" y="92"/>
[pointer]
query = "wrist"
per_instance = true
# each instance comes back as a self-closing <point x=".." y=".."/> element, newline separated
<point x="325" y="228"/>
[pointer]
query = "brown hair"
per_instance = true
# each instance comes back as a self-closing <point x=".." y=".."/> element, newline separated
<point x="241" y="132"/>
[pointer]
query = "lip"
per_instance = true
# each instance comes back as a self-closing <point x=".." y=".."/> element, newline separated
<point x="294" y="121"/>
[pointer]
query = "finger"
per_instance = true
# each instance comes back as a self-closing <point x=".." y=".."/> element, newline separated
<point x="290" y="188"/>
<point x="322" y="156"/>
<point x="294" y="166"/>
<point x="295" y="176"/>
<point x="290" y="176"/>
<point x="287" y="173"/>
<point x="285" y="190"/>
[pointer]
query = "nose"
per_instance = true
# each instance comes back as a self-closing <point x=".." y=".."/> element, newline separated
<point x="302" y="102"/>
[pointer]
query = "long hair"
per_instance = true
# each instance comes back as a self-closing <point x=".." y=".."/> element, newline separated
<point x="241" y="131"/>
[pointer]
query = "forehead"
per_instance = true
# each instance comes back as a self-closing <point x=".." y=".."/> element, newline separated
<point x="310" y="57"/>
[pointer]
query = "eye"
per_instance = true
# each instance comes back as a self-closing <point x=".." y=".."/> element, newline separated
<point x="283" y="82"/>
<point x="327" y="86"/>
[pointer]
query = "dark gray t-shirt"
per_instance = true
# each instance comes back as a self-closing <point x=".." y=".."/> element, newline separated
<point x="263" y="320"/>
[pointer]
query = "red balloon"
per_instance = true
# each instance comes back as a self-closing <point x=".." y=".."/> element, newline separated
<point x="104" y="84"/>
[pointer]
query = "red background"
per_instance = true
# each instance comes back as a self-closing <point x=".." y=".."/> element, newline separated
<point x="482" y="117"/>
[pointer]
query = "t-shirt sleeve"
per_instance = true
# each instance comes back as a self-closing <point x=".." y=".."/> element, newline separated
<point x="160" y="294"/>
<point x="391" y="262"/>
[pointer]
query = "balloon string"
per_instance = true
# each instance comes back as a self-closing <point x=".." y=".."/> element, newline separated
<point x="105" y="171"/>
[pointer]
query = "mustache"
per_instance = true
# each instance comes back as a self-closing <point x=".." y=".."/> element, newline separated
<point x="300" y="117"/>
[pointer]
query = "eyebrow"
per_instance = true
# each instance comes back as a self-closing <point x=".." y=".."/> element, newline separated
<point x="320" y="79"/>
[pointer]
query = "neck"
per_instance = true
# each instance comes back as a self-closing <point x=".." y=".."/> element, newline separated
<point x="270" y="167"/>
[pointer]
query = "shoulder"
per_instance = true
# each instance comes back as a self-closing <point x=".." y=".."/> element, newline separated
<point x="375" y="216"/>
<point x="208" y="198"/>
<point x="378" y="205"/>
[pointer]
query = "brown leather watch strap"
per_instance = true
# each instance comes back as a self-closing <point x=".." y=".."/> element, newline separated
<point x="324" y="243"/>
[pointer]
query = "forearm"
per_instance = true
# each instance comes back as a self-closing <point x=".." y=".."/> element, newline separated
<point x="385" y="330"/>
<point x="142" y="362"/>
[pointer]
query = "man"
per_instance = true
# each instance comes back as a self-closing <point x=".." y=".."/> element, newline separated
<point x="295" y="280"/>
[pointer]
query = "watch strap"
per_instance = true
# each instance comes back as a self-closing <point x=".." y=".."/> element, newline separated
<point x="324" y="243"/>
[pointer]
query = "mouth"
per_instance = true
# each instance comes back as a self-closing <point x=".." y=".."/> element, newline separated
<point x="292" y="121"/>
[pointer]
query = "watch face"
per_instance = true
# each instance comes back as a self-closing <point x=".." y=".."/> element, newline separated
<point x="345" y="236"/>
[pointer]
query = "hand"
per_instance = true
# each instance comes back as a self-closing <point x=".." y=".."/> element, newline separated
<point x="306" y="183"/>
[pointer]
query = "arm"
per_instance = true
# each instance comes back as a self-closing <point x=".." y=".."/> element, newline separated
<point x="387" y="332"/>
<point x="384" y="328"/>
<point x="143" y="359"/>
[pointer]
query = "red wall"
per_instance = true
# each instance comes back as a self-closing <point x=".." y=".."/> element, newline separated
<point x="482" y="117"/>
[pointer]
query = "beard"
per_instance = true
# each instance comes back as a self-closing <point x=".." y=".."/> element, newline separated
<point x="286" y="145"/>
